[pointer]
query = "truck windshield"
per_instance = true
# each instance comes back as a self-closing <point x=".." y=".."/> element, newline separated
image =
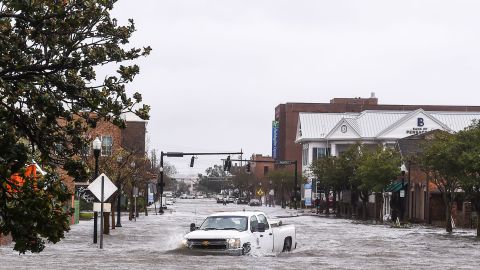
<point x="225" y="223"/>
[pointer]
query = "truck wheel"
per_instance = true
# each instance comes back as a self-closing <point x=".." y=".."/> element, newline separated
<point x="287" y="244"/>
<point x="245" y="249"/>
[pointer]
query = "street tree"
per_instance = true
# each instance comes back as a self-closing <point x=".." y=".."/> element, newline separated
<point x="441" y="162"/>
<point x="283" y="181"/>
<point x="214" y="180"/>
<point x="376" y="170"/>
<point x="50" y="96"/>
<point x="325" y="171"/>
<point x="348" y="163"/>
<point x="469" y="155"/>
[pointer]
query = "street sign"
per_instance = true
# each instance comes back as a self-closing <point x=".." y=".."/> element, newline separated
<point x="284" y="162"/>
<point x="260" y="192"/>
<point x="107" y="207"/>
<point x="96" y="187"/>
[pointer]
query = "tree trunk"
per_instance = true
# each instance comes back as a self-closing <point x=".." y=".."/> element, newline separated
<point x="448" y="213"/>
<point x="478" y="223"/>
<point x="130" y="209"/>
<point x="447" y="199"/>
<point x="364" y="198"/>
<point x="335" y="204"/>
<point x="381" y="208"/>
<point x="113" y="217"/>
<point x="353" y="204"/>
<point x="364" y="210"/>
<point x="106" y="225"/>
<point x="327" y="199"/>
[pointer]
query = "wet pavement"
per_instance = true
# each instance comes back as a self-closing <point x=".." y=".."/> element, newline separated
<point x="153" y="242"/>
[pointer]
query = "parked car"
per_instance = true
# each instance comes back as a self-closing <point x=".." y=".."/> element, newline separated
<point x="183" y="196"/>
<point x="190" y="196"/>
<point x="255" y="202"/>
<point x="242" y="200"/>
<point x="200" y="197"/>
<point x="230" y="199"/>
<point x="219" y="199"/>
<point x="239" y="233"/>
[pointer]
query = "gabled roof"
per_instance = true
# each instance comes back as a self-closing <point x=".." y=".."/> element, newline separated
<point x="372" y="124"/>
<point x="318" y="125"/>
<point x="349" y="122"/>
<point x="409" y="116"/>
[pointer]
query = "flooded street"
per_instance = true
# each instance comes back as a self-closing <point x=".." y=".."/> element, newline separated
<point x="153" y="242"/>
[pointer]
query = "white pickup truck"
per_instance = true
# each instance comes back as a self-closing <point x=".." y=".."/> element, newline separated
<point x="240" y="233"/>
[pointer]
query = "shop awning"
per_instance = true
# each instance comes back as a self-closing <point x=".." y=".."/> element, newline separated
<point x="395" y="187"/>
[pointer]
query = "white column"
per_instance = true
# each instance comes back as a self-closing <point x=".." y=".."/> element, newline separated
<point x="333" y="149"/>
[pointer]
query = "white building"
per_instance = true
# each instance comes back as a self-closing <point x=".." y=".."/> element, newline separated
<point x="332" y="133"/>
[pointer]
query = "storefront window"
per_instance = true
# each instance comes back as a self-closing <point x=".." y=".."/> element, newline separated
<point x="319" y="152"/>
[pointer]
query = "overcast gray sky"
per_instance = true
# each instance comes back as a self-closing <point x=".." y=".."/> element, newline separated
<point x="219" y="67"/>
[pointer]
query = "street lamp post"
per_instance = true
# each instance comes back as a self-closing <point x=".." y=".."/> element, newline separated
<point x="269" y="193"/>
<point x="160" y="184"/>
<point x="97" y="145"/>
<point x="404" y="200"/>
<point x="134" y="190"/>
<point x="119" y="224"/>
<point x="296" y="184"/>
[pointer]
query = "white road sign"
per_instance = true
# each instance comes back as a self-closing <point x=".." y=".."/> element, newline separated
<point x="108" y="187"/>
<point x="97" y="207"/>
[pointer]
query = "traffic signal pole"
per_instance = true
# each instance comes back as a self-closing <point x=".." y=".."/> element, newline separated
<point x="280" y="162"/>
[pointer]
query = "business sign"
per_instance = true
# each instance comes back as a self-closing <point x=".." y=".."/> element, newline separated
<point x="308" y="194"/>
<point x="275" y="139"/>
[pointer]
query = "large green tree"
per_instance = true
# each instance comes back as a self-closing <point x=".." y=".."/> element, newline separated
<point x="376" y="170"/>
<point x="348" y="163"/>
<point x="469" y="155"/>
<point x="50" y="95"/>
<point x="441" y="161"/>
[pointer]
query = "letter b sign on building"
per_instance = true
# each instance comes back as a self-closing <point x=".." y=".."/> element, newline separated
<point x="420" y="122"/>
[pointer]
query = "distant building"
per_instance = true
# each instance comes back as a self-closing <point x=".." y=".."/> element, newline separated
<point x="260" y="169"/>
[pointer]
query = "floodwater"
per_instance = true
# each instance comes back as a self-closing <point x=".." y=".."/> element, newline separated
<point x="153" y="242"/>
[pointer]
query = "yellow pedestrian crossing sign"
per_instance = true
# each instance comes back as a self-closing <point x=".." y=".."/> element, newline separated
<point x="260" y="192"/>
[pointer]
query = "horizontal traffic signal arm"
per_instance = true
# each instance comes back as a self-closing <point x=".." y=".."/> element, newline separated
<point x="279" y="162"/>
<point x="181" y="154"/>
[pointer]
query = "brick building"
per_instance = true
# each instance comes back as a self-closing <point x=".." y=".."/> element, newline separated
<point x="132" y="138"/>
<point x="424" y="202"/>
<point x="287" y="117"/>
<point x="259" y="169"/>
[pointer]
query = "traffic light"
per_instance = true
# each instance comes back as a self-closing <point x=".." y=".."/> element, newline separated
<point x="227" y="164"/>
<point x="248" y="167"/>
<point x="192" y="161"/>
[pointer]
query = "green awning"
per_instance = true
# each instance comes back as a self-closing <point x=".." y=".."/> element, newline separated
<point x="395" y="187"/>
